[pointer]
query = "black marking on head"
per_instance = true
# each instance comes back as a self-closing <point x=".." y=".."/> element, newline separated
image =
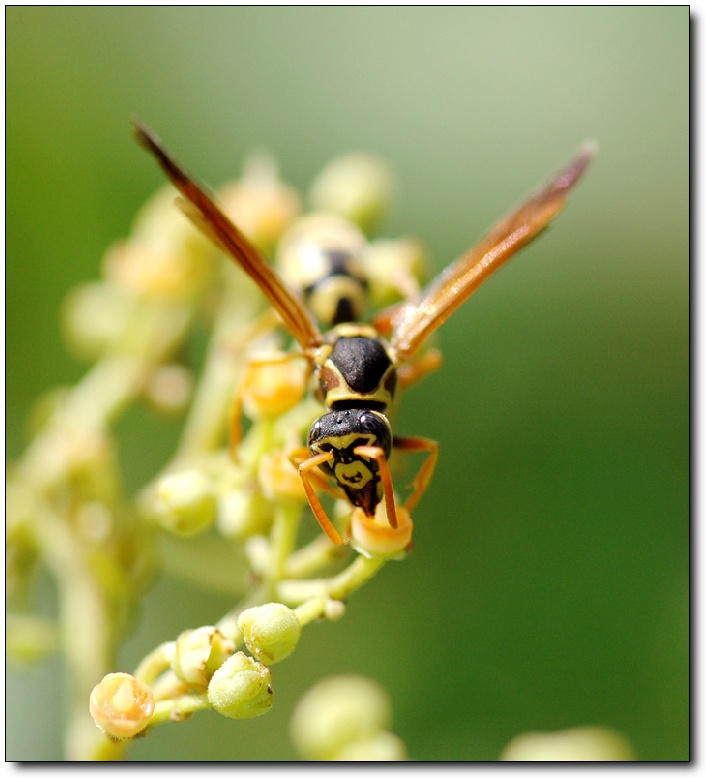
<point x="361" y="361"/>
<point x="342" y="430"/>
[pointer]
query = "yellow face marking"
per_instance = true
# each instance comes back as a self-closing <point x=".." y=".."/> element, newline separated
<point x="342" y="442"/>
<point x="355" y="474"/>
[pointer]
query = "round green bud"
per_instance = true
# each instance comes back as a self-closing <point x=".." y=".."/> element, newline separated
<point x="184" y="503"/>
<point x="271" y="631"/>
<point x="241" y="688"/>
<point x="199" y="653"/>
<point x="336" y="712"/>
<point x="380" y="747"/>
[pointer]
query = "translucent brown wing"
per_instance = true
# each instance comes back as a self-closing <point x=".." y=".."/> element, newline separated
<point x="412" y="323"/>
<point x="208" y="217"/>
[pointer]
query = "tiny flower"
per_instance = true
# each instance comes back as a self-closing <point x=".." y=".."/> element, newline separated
<point x="241" y="688"/>
<point x="121" y="705"/>
<point x="583" y="744"/>
<point x="374" y="537"/>
<point x="184" y="503"/>
<point x="271" y="631"/>
<point x="199" y="653"/>
<point x="336" y="712"/>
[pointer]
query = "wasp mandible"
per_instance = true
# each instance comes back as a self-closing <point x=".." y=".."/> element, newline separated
<point x="356" y="367"/>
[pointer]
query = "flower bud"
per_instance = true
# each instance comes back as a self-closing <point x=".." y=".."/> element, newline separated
<point x="94" y="317"/>
<point x="241" y="688"/>
<point x="355" y="186"/>
<point x="272" y="388"/>
<point x="394" y="269"/>
<point x="169" y="388"/>
<point x="583" y="744"/>
<point x="184" y="503"/>
<point x="271" y="631"/>
<point x="336" y="712"/>
<point x="278" y="477"/>
<point x="381" y="747"/>
<point x="243" y="512"/>
<point x="260" y="204"/>
<point x="374" y="537"/>
<point x="199" y="653"/>
<point x="121" y="705"/>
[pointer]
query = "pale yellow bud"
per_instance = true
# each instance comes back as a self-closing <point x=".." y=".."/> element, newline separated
<point x="271" y="632"/>
<point x="94" y="317"/>
<point x="584" y="744"/>
<point x="336" y="712"/>
<point x="278" y="477"/>
<point x="355" y="186"/>
<point x="184" y="503"/>
<point x="169" y="388"/>
<point x="260" y="204"/>
<point x="241" y="688"/>
<point x="394" y="269"/>
<point x="243" y="512"/>
<point x="380" y="747"/>
<point x="272" y="388"/>
<point x="199" y="653"/>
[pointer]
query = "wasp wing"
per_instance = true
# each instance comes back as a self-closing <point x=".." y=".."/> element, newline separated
<point x="414" y="322"/>
<point x="208" y="217"/>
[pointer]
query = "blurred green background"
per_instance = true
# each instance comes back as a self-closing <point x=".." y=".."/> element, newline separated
<point x="549" y="583"/>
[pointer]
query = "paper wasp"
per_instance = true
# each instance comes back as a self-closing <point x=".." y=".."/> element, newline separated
<point x="355" y="369"/>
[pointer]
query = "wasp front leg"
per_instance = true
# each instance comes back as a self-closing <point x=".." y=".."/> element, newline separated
<point x="378" y="454"/>
<point x="308" y="470"/>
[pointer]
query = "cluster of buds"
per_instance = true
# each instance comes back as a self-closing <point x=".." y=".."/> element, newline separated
<point x="246" y="414"/>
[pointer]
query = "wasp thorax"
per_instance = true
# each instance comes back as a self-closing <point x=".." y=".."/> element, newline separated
<point x="358" y="370"/>
<point x="342" y="434"/>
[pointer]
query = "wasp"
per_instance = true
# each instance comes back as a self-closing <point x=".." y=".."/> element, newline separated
<point x="356" y="367"/>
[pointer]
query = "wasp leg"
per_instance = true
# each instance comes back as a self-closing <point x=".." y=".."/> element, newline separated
<point x="375" y="452"/>
<point x="316" y="477"/>
<point x="304" y="471"/>
<point x="420" y="483"/>
<point x="411" y="372"/>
